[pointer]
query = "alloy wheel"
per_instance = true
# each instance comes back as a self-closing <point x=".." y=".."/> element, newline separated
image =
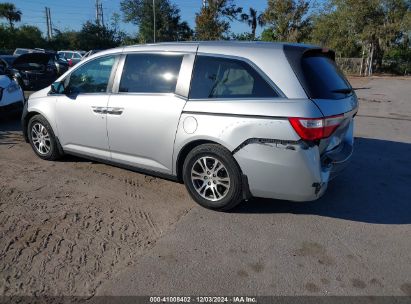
<point x="210" y="178"/>
<point x="41" y="138"/>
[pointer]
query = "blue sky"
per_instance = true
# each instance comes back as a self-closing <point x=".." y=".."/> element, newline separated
<point x="71" y="14"/>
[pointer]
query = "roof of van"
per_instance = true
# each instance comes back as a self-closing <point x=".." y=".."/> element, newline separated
<point x="225" y="43"/>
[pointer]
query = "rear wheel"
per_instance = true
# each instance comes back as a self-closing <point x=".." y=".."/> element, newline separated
<point x="212" y="177"/>
<point x="42" y="138"/>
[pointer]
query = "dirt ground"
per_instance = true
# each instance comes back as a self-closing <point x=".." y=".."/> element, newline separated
<point x="67" y="227"/>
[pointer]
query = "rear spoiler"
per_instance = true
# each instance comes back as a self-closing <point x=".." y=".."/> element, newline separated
<point x="295" y="53"/>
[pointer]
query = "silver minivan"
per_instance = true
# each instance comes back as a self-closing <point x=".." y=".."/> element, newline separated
<point x="232" y="120"/>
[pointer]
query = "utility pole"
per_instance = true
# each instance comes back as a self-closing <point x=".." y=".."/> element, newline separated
<point x="48" y="22"/>
<point x="204" y="3"/>
<point x="154" y="23"/>
<point x="99" y="13"/>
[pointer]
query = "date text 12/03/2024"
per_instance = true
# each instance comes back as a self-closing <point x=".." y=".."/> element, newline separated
<point x="200" y="299"/>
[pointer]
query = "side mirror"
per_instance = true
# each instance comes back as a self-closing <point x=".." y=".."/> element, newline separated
<point x="57" y="88"/>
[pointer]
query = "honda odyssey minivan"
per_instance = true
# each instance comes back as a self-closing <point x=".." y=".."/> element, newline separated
<point x="232" y="120"/>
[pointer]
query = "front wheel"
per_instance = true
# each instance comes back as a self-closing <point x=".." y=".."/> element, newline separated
<point x="42" y="138"/>
<point x="213" y="177"/>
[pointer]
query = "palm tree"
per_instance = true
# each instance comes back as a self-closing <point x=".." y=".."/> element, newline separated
<point x="9" y="12"/>
<point x="253" y="19"/>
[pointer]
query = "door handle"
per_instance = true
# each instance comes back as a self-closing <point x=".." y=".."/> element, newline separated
<point x="99" y="110"/>
<point x="115" y="111"/>
<point x="105" y="110"/>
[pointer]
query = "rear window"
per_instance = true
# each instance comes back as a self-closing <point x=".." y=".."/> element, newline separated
<point x="216" y="77"/>
<point x="323" y="79"/>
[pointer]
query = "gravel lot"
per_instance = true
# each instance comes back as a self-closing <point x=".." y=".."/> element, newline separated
<point x="76" y="227"/>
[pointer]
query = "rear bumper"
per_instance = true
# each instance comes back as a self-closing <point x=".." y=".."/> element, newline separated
<point x="337" y="160"/>
<point x="293" y="172"/>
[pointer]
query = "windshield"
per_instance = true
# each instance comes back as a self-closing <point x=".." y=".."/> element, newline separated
<point x="20" y="52"/>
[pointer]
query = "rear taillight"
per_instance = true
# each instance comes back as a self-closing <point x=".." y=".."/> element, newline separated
<point x="316" y="128"/>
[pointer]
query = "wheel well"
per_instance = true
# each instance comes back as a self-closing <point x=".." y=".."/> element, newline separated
<point x="26" y="122"/>
<point x="184" y="152"/>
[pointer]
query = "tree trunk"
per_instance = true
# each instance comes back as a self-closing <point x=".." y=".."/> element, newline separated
<point x="371" y="60"/>
<point x="362" y="61"/>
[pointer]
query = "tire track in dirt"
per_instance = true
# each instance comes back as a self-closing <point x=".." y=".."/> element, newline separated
<point x="68" y="226"/>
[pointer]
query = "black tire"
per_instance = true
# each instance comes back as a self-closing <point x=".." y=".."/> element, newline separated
<point x="53" y="152"/>
<point x="233" y="196"/>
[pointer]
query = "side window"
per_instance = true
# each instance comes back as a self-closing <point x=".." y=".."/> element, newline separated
<point x="150" y="73"/>
<point x="91" y="77"/>
<point x="76" y="56"/>
<point x="215" y="77"/>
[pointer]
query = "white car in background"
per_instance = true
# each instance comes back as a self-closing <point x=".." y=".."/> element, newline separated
<point x="73" y="57"/>
<point x="11" y="96"/>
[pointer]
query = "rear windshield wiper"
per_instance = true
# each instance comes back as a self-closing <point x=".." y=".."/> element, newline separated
<point x="343" y="91"/>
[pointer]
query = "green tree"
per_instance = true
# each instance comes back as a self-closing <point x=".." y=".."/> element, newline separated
<point x="8" y="11"/>
<point x="213" y="21"/>
<point x="6" y="38"/>
<point x="65" y="40"/>
<point x="95" y="36"/>
<point x="363" y="28"/>
<point x="253" y="19"/>
<point x="287" y="20"/>
<point x="28" y="36"/>
<point x="168" y="24"/>
<point x="243" y="37"/>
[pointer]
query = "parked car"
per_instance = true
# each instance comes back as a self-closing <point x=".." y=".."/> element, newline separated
<point x="91" y="52"/>
<point x="21" y="51"/>
<point x="34" y="71"/>
<point x="61" y="63"/>
<point x="231" y="120"/>
<point x="73" y="57"/>
<point x="11" y="95"/>
<point x="7" y="60"/>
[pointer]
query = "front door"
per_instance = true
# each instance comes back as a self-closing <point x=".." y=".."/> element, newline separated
<point x="81" y="111"/>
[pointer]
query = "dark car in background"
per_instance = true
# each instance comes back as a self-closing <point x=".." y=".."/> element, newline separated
<point x="35" y="71"/>
<point x="7" y="60"/>
<point x="21" y="51"/>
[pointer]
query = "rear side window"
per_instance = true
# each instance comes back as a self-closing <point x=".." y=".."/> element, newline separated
<point x="150" y="73"/>
<point x="215" y="77"/>
<point x="323" y="80"/>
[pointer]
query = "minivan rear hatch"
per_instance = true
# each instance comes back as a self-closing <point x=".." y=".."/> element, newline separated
<point x="328" y="88"/>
